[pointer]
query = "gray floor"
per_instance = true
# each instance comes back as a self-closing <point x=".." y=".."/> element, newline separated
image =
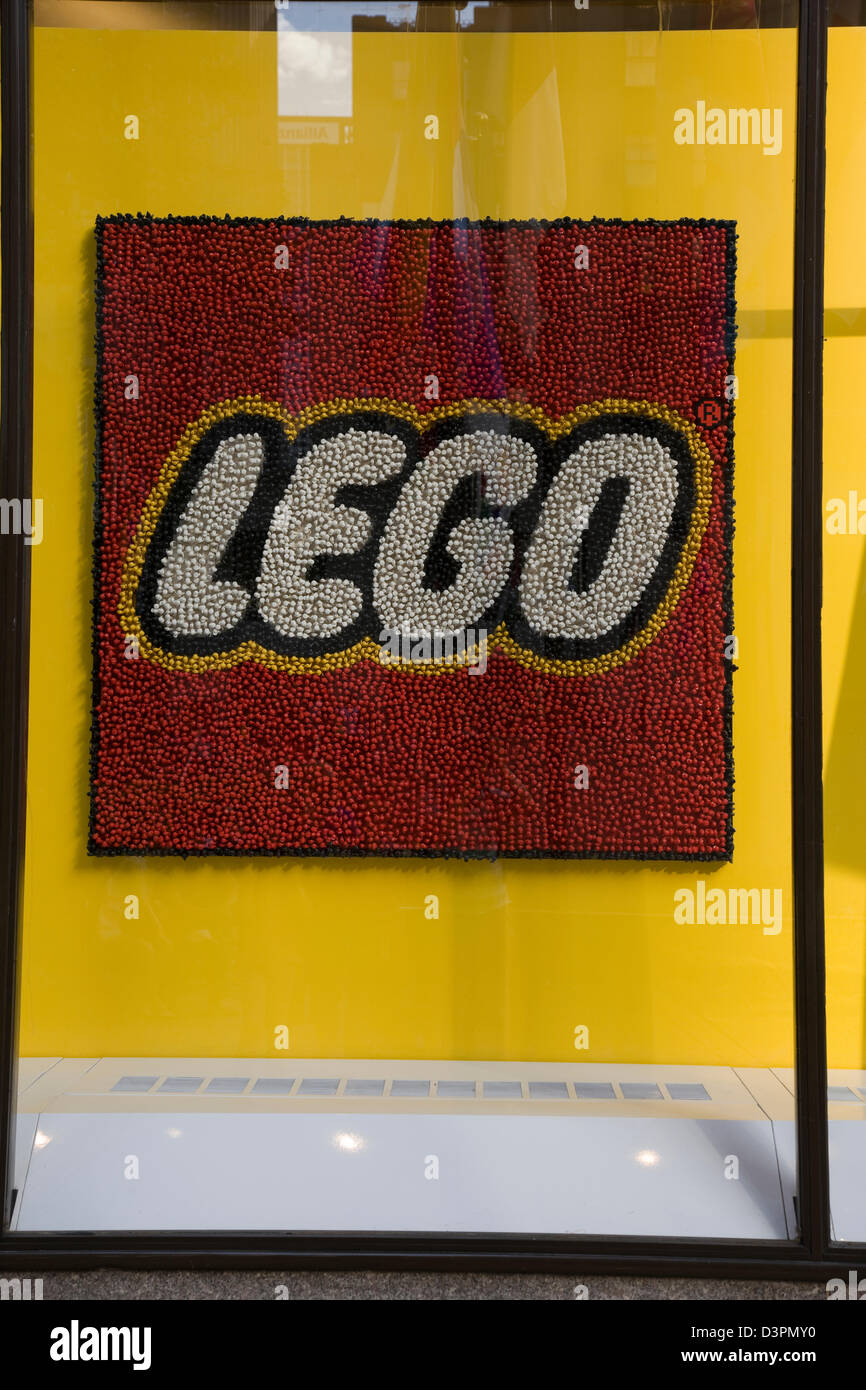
<point x="361" y="1285"/>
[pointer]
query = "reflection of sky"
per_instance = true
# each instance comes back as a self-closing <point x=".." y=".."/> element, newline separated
<point x="314" y="72"/>
<point x="335" y="16"/>
<point x="314" y="50"/>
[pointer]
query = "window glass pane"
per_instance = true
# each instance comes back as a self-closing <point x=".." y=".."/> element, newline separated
<point x="844" y="624"/>
<point x="437" y="873"/>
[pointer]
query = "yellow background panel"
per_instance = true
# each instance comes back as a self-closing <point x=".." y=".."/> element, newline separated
<point x="341" y="952"/>
<point x="844" y="614"/>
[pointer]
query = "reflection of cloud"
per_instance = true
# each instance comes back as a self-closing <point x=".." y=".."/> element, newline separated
<point x="320" y="15"/>
<point x="315" y="55"/>
<point x="314" y="73"/>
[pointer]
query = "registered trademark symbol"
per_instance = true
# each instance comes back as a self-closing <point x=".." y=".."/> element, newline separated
<point x="709" y="413"/>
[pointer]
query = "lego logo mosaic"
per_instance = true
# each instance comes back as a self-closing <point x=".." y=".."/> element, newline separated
<point x="413" y="538"/>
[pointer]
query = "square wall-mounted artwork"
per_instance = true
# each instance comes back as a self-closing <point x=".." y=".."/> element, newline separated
<point x="413" y="538"/>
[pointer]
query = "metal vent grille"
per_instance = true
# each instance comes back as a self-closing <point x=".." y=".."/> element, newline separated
<point x="400" y="1088"/>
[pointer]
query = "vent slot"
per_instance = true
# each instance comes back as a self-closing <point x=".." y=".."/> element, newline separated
<point x="135" y="1085"/>
<point x="359" y="1087"/>
<point x="594" y="1090"/>
<point x="640" y="1090"/>
<point x="687" y="1090"/>
<point x="410" y="1090"/>
<point x="319" y="1086"/>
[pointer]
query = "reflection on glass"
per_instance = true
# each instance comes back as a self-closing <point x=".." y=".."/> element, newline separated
<point x="844" y="633"/>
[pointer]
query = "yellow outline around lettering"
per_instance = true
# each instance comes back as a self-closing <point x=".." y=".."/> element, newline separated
<point x="367" y="649"/>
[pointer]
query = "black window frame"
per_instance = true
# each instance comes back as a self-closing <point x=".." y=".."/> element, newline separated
<point x="812" y="1255"/>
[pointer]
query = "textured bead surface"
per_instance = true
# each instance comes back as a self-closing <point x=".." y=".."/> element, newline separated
<point x="285" y="483"/>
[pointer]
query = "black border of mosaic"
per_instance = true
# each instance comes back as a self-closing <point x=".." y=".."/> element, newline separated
<point x="351" y="852"/>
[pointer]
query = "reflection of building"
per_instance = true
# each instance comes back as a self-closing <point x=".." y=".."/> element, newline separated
<point x="568" y="16"/>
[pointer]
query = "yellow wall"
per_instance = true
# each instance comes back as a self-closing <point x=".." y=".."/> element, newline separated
<point x="523" y="952"/>
<point x="844" y="618"/>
